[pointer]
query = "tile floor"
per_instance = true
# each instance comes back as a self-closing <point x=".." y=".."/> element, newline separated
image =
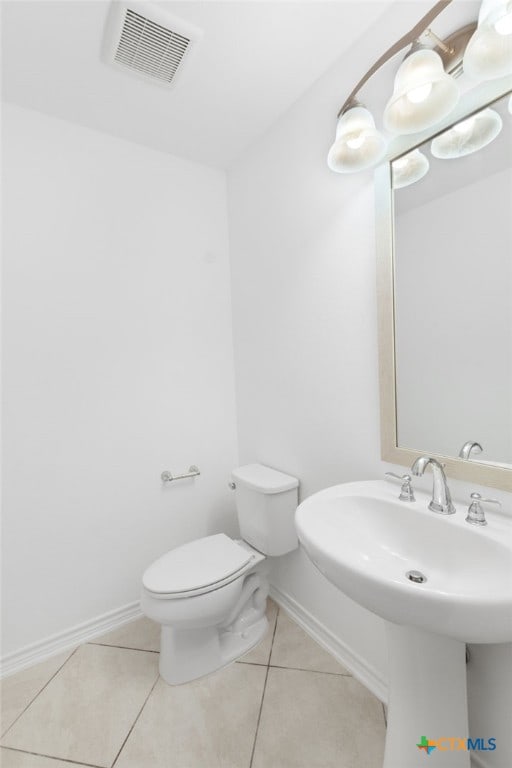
<point x="286" y="704"/>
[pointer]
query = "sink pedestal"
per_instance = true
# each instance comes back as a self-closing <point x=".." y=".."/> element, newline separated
<point x="427" y="697"/>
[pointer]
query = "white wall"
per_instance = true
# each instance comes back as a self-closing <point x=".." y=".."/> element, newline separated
<point x="304" y="318"/>
<point x="305" y="329"/>
<point x="118" y="364"/>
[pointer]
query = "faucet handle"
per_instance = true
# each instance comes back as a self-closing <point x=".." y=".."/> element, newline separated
<point x="476" y="513"/>
<point x="406" y="491"/>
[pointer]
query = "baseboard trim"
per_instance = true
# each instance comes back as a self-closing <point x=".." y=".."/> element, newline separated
<point x="356" y="665"/>
<point x="70" y="638"/>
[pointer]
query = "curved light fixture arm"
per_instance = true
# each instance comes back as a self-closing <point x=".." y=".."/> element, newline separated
<point x="404" y="41"/>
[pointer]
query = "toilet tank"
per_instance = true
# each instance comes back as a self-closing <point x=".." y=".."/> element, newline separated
<point x="266" y="501"/>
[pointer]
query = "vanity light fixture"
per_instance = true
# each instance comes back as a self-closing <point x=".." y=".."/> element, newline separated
<point x="409" y="168"/>
<point x="468" y="136"/>
<point x="425" y="90"/>
<point x="489" y="52"/>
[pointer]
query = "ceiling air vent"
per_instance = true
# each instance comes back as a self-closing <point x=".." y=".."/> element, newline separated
<point x="144" y="40"/>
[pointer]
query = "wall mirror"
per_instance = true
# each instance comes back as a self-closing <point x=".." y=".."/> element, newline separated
<point x="444" y="247"/>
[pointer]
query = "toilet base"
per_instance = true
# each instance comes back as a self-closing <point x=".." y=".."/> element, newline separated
<point x="189" y="654"/>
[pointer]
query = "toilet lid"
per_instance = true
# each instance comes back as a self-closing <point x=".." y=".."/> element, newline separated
<point x="196" y="565"/>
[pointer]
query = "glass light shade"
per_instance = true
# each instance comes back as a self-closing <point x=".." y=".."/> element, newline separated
<point x="489" y="52"/>
<point x="358" y="144"/>
<point x="468" y="136"/>
<point x="409" y="169"/>
<point x="423" y="94"/>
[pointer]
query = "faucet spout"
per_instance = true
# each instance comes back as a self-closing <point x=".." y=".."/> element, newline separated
<point x="469" y="448"/>
<point x="441" y="497"/>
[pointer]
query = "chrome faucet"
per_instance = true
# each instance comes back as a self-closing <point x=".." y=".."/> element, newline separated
<point x="469" y="448"/>
<point x="441" y="498"/>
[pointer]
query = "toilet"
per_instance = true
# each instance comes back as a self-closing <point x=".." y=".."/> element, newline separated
<point x="210" y="595"/>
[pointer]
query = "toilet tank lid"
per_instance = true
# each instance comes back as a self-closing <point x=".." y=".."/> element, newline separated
<point x="264" y="479"/>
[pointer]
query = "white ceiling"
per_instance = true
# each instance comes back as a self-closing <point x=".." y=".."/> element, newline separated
<point x="254" y="60"/>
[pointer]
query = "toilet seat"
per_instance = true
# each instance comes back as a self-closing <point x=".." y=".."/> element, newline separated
<point x="199" y="567"/>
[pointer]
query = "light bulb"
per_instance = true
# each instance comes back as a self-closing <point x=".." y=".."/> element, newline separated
<point x="400" y="163"/>
<point x="409" y="169"/>
<point x="467" y="136"/>
<point x="355" y="142"/>
<point x="417" y="95"/>
<point x="466" y="126"/>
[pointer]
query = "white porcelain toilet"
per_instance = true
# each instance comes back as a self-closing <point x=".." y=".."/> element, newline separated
<point x="210" y="595"/>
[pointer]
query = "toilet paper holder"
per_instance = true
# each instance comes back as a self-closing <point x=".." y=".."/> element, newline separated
<point x="168" y="477"/>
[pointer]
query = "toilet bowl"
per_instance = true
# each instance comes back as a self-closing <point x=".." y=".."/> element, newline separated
<point x="210" y="595"/>
<point x="206" y="625"/>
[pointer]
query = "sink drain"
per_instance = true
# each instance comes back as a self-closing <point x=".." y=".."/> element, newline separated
<point x="416" y="576"/>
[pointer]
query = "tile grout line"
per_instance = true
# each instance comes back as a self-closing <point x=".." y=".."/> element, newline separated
<point x="263" y="692"/>
<point x="40" y="691"/>
<point x="314" y="671"/>
<point x="259" y="718"/>
<point x="122" y="647"/>
<point x="273" y="637"/>
<point x="52" y="757"/>
<point x="135" y="721"/>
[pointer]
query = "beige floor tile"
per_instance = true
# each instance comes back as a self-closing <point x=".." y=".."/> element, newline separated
<point x="261" y="654"/>
<point x="312" y="720"/>
<point x="10" y="759"/>
<point x="294" y="648"/>
<point x="210" y="723"/>
<point x="142" y="634"/>
<point x="18" y="690"/>
<point x="86" y="711"/>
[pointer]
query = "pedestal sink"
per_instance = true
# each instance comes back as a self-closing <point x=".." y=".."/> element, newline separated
<point x="438" y="581"/>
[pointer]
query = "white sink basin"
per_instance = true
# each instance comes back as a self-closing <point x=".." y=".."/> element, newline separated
<point x="364" y="540"/>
